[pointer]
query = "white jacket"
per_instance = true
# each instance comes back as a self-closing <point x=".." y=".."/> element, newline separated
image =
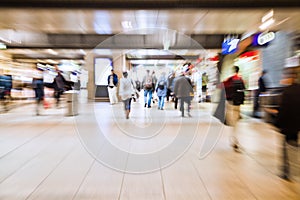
<point x="126" y="88"/>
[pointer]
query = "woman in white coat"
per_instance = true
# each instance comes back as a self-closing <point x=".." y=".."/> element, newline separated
<point x="125" y="91"/>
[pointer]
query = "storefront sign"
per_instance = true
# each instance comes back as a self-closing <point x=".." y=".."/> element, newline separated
<point x="264" y="38"/>
<point x="229" y="46"/>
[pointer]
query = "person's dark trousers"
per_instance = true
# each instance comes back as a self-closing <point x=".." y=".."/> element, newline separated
<point x="256" y="103"/>
<point x="181" y="106"/>
<point x="168" y="94"/>
<point x="291" y="137"/>
<point x="182" y="101"/>
<point x="285" y="162"/>
<point x="175" y="102"/>
<point x="57" y="95"/>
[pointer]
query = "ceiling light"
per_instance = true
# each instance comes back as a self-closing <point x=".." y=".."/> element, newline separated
<point x="267" y="16"/>
<point x="266" y="24"/>
<point x="51" y="51"/>
<point x="82" y="52"/>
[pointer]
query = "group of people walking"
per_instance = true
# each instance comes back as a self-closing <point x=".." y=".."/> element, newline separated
<point x="59" y="85"/>
<point x="179" y="88"/>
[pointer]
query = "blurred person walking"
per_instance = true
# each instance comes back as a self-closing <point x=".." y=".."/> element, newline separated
<point x="126" y="91"/>
<point x="183" y="90"/>
<point x="288" y="121"/>
<point x="234" y="88"/>
<point x="148" y="85"/>
<point x="5" y="89"/>
<point x="112" y="80"/>
<point x="261" y="89"/>
<point x="204" y="87"/>
<point x="154" y="84"/>
<point x="59" y="86"/>
<point x="161" y="90"/>
<point x="170" y="85"/>
<point x="38" y="86"/>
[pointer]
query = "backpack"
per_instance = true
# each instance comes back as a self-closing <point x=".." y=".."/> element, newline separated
<point x="238" y="95"/>
<point x="148" y="82"/>
<point x="161" y="85"/>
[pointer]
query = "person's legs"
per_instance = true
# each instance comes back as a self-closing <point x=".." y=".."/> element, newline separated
<point x="150" y="98"/>
<point x="127" y="107"/>
<point x="39" y="95"/>
<point x="256" y="104"/>
<point x="162" y="103"/>
<point x="145" y="96"/>
<point x="175" y="102"/>
<point x="129" y="104"/>
<point x="168" y="94"/>
<point x="58" y="93"/>
<point x="293" y="159"/>
<point x="232" y="117"/>
<point x="114" y="95"/>
<point x="110" y="94"/>
<point x="203" y="96"/>
<point x="159" y="102"/>
<point x="188" y="101"/>
<point x="285" y="162"/>
<point x="182" y="106"/>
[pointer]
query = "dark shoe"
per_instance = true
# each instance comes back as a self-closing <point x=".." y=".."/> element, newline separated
<point x="236" y="148"/>
<point x="149" y="106"/>
<point x="145" y="105"/>
<point x="284" y="176"/>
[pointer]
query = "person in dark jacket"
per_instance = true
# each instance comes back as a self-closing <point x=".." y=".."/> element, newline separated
<point x="112" y="83"/>
<point x="59" y="86"/>
<point x="38" y="86"/>
<point x="288" y="121"/>
<point x="183" y="90"/>
<point x="234" y="87"/>
<point x="5" y="89"/>
<point x="261" y="88"/>
<point x="161" y="90"/>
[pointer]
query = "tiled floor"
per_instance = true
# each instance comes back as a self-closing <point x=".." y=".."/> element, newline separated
<point x="56" y="157"/>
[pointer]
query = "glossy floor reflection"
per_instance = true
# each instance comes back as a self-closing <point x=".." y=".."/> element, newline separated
<point x="44" y="157"/>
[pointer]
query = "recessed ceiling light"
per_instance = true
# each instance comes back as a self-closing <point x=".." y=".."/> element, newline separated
<point x="267" y="24"/>
<point x="267" y="16"/>
<point x="51" y="51"/>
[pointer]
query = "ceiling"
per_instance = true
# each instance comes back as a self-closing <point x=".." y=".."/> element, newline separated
<point x="17" y="25"/>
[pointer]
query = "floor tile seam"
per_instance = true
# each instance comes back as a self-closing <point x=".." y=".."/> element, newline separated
<point x="29" y="140"/>
<point x="84" y="179"/>
<point x="241" y="180"/>
<point x="32" y="158"/>
<point x="88" y="171"/>
<point x="52" y="171"/>
<point x="124" y="173"/>
<point x="201" y="179"/>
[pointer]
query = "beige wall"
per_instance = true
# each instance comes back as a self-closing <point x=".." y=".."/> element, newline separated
<point x="118" y="64"/>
